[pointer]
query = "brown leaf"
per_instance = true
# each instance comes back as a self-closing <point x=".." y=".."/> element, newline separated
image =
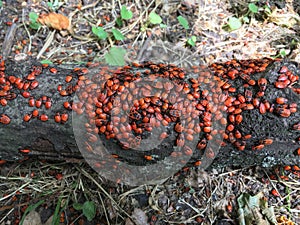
<point x="54" y="20"/>
<point x="139" y="216"/>
<point x="33" y="218"/>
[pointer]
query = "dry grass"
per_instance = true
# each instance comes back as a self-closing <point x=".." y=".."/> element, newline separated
<point x="187" y="197"/>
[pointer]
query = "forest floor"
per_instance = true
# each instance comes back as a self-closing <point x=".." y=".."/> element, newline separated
<point x="43" y="192"/>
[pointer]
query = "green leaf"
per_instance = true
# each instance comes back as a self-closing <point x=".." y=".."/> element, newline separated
<point x="46" y="61"/>
<point x="77" y="206"/>
<point x="33" y="21"/>
<point x="143" y="29"/>
<point x="183" y="21"/>
<point x="154" y="18"/>
<point x="35" y="25"/>
<point x="1" y="4"/>
<point x="117" y="34"/>
<point x="115" y="56"/>
<point x="50" y="5"/>
<point x="119" y="22"/>
<point x="163" y="25"/>
<point x="253" y="8"/>
<point x="234" y="23"/>
<point x="282" y="52"/>
<point x="246" y="19"/>
<point x="192" y="41"/>
<point x="89" y="210"/>
<point x="56" y="214"/>
<point x="33" y="16"/>
<point x="29" y="209"/>
<point x="99" y="32"/>
<point x="125" y="13"/>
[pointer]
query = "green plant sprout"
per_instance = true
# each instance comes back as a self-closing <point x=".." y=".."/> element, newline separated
<point x="153" y="19"/>
<point x="115" y="56"/>
<point x="185" y="24"/>
<point x="233" y="24"/>
<point x="252" y="10"/>
<point x="103" y="35"/>
<point x="88" y="209"/>
<point x="281" y="54"/>
<point x="117" y="34"/>
<point x="100" y="32"/>
<point x="126" y="14"/>
<point x="46" y="61"/>
<point x="33" y="21"/>
<point x="192" y="41"/>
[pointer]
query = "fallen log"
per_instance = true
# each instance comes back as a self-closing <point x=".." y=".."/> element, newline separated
<point x="36" y="113"/>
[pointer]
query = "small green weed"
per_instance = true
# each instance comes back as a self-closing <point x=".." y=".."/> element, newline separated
<point x="192" y="41"/>
<point x="46" y="61"/>
<point x="281" y="54"/>
<point x="88" y="209"/>
<point x="117" y="34"/>
<point x="33" y="21"/>
<point x="185" y="24"/>
<point x="100" y="32"/>
<point x="154" y="18"/>
<point x="233" y="24"/>
<point x="115" y="56"/>
<point x="253" y="10"/>
<point x="126" y="14"/>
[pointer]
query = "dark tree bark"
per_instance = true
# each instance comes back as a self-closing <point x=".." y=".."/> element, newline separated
<point x="49" y="139"/>
<point x="56" y="141"/>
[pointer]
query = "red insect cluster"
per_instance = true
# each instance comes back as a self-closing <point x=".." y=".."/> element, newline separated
<point x="211" y="97"/>
<point x="12" y="86"/>
<point x="254" y="96"/>
<point x="128" y="103"/>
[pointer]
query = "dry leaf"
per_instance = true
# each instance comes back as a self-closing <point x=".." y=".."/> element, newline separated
<point x="139" y="216"/>
<point x="33" y="218"/>
<point x="284" y="18"/>
<point x="54" y="20"/>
